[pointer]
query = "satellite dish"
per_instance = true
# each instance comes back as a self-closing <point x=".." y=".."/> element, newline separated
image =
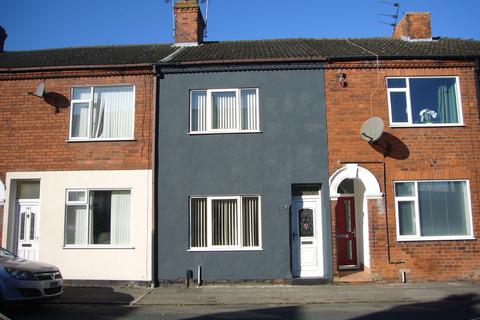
<point x="39" y="91"/>
<point x="372" y="129"/>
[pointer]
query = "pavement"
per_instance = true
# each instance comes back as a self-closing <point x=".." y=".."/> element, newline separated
<point x="273" y="294"/>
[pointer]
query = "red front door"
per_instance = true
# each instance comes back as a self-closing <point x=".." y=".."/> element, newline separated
<point x="346" y="241"/>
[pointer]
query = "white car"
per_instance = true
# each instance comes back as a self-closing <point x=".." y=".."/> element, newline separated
<point x="23" y="280"/>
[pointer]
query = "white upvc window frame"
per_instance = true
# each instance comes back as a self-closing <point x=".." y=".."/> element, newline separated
<point x="406" y="90"/>
<point x="89" y="216"/>
<point x="414" y="198"/>
<point x="90" y="110"/>
<point x="238" y="111"/>
<point x="239" y="247"/>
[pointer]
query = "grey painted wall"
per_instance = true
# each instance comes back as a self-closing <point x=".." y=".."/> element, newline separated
<point x="290" y="149"/>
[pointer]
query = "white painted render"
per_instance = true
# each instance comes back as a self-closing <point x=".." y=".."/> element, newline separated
<point x="132" y="263"/>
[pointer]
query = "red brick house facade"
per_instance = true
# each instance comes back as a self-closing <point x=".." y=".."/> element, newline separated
<point x="417" y="153"/>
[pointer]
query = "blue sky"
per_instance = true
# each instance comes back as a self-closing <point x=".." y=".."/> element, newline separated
<point x="39" y="24"/>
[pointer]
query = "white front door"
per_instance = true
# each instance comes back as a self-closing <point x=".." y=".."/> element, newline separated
<point x="307" y="237"/>
<point x="27" y="229"/>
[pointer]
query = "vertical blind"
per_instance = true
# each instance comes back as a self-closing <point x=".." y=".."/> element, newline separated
<point x="199" y="111"/>
<point x="224" y="222"/>
<point x="198" y="223"/>
<point x="249" y="109"/>
<point x="250" y="221"/>
<point x="229" y="222"/>
<point x="223" y="110"/>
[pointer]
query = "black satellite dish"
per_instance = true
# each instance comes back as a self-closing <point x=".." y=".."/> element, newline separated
<point x="372" y="129"/>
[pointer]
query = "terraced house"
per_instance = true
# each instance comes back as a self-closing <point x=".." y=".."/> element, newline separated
<point x="76" y="150"/>
<point x="272" y="160"/>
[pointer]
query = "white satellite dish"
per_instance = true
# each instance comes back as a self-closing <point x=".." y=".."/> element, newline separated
<point x="39" y="91"/>
<point x="372" y="129"/>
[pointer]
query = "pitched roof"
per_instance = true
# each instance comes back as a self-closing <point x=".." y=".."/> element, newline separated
<point x="328" y="49"/>
<point x="245" y="51"/>
<point x="84" y="56"/>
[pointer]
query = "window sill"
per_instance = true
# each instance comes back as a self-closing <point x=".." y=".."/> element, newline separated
<point x="224" y="132"/>
<point x="434" y="125"/>
<point x="100" y="140"/>
<point x="448" y="238"/>
<point x="223" y="249"/>
<point x="97" y="247"/>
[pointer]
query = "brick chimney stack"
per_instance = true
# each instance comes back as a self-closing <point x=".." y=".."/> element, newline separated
<point x="189" y="23"/>
<point x="3" y="36"/>
<point x="414" y="26"/>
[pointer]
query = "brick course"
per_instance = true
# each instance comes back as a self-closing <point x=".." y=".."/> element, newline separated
<point x="431" y="153"/>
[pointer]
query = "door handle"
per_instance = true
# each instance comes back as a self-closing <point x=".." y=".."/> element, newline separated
<point x="294" y="234"/>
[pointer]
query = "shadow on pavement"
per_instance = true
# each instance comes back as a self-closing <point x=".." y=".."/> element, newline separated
<point x="458" y="307"/>
<point x="94" y="295"/>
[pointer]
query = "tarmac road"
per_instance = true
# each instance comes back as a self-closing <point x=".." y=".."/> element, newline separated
<point x="438" y="310"/>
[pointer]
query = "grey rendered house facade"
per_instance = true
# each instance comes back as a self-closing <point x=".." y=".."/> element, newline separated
<point x="227" y="191"/>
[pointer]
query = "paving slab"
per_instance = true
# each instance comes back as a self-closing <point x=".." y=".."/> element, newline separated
<point x="253" y="295"/>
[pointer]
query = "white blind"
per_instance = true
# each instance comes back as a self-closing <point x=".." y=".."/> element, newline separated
<point x="224" y="111"/>
<point x="120" y="217"/>
<point x="199" y="111"/>
<point x="113" y="112"/>
<point x="224" y="222"/>
<point x="250" y="223"/>
<point x="249" y="109"/>
<point x="77" y="224"/>
<point x="198" y="222"/>
<point x="79" y="120"/>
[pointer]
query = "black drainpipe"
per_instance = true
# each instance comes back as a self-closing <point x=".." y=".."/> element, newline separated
<point x="156" y="87"/>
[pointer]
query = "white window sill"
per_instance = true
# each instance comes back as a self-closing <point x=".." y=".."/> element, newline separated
<point x="100" y="140"/>
<point x="224" y="132"/>
<point x="433" y="125"/>
<point x="446" y="238"/>
<point x="223" y="249"/>
<point x="99" y="246"/>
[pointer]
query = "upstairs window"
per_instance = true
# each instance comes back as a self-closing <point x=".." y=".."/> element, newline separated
<point x="424" y="101"/>
<point x="102" y="113"/>
<point x="433" y="210"/>
<point x="224" y="110"/>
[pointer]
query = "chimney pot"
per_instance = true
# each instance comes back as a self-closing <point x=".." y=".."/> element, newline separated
<point x="414" y="26"/>
<point x="189" y="23"/>
<point x="3" y="36"/>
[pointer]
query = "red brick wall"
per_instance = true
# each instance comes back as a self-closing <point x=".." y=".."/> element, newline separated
<point x="433" y="153"/>
<point x="34" y="137"/>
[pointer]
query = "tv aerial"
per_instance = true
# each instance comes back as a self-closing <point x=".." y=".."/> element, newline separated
<point x="393" y="24"/>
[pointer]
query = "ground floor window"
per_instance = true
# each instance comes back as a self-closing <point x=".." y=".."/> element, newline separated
<point x="225" y="222"/>
<point x="98" y="217"/>
<point x="431" y="210"/>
